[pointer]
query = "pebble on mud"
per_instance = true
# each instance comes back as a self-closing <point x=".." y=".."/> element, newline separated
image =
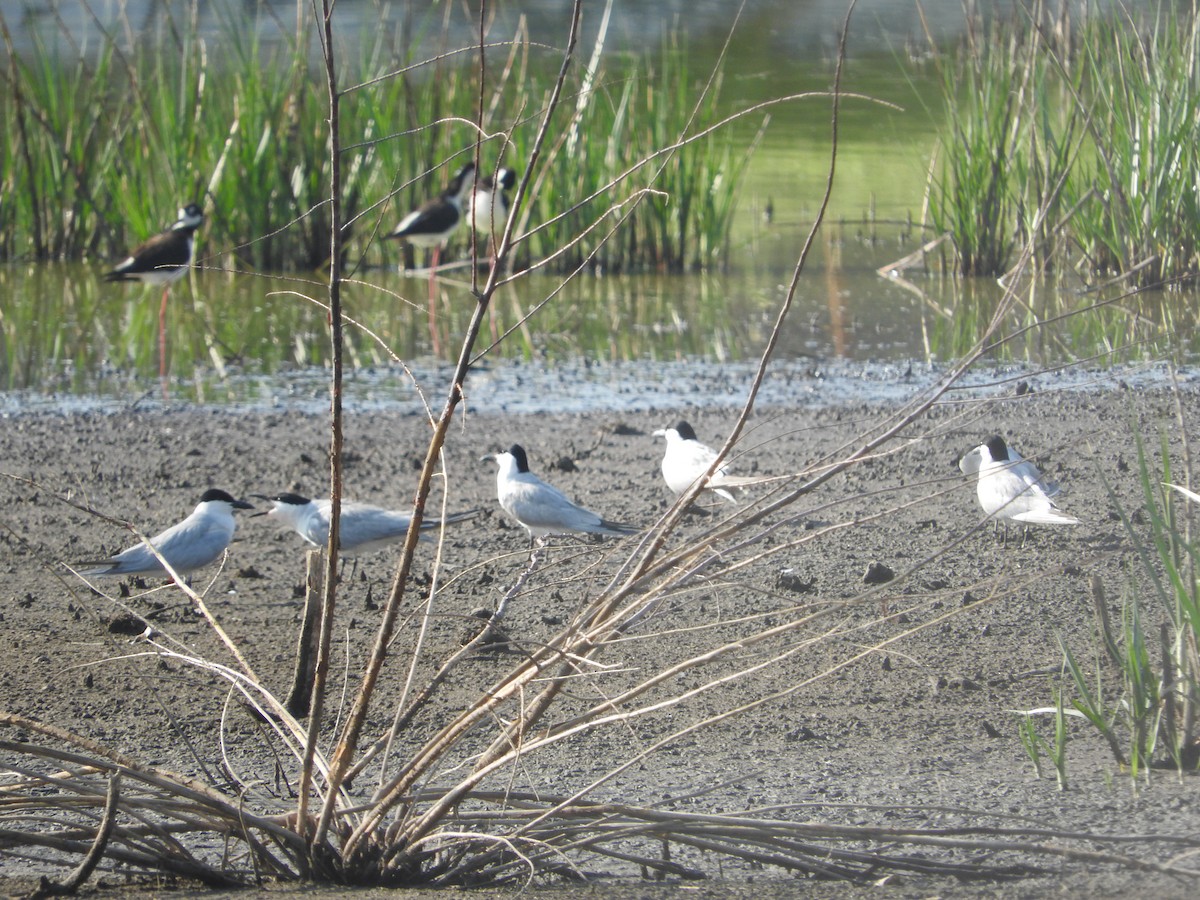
<point x="791" y="580"/>
<point x="878" y="573"/>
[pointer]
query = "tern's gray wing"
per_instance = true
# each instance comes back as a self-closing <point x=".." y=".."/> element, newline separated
<point x="1010" y="494"/>
<point x="191" y="544"/>
<point x="544" y="509"/>
<point x="315" y="529"/>
<point x="1030" y="475"/>
<point x="134" y="561"/>
<point x="1005" y="493"/>
<point x="315" y="526"/>
<point x="365" y="528"/>
<point x="685" y="461"/>
<point x="697" y="457"/>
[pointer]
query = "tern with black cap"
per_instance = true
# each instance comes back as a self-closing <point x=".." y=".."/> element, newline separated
<point x="192" y="544"/>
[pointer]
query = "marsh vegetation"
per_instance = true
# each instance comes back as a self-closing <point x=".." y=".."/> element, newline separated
<point x="693" y="271"/>
<point x="412" y="784"/>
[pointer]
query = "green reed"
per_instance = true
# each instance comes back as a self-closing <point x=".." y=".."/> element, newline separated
<point x="1077" y="143"/>
<point x="972" y="198"/>
<point x="1137" y="188"/>
<point x="244" y="132"/>
<point x="1010" y="139"/>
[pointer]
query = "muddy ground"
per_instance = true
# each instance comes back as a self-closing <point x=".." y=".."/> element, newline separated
<point x="922" y="730"/>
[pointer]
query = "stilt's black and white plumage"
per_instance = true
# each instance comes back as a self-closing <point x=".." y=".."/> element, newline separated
<point x="195" y="542"/>
<point x="362" y="528"/>
<point x="540" y="508"/>
<point x="489" y="204"/>
<point x="1011" y="488"/>
<point x="162" y="259"/>
<point x="165" y="257"/>
<point x="431" y="224"/>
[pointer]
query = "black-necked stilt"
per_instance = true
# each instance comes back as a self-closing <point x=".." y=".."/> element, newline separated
<point x="162" y="259"/>
<point x="432" y="223"/>
<point x="165" y="257"/>
<point x="489" y="204"/>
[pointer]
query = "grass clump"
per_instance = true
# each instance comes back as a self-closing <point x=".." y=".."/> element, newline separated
<point x="1137" y="187"/>
<point x="1143" y="697"/>
<point x="1093" y="123"/>
<point x="973" y="196"/>
<point x="109" y="140"/>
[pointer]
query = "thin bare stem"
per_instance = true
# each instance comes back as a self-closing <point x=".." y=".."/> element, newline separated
<point x="348" y="742"/>
<point x="329" y="599"/>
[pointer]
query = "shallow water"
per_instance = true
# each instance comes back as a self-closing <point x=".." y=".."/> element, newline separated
<point x="72" y="340"/>
<point x="581" y="387"/>
<point x="246" y="339"/>
<point x="65" y="327"/>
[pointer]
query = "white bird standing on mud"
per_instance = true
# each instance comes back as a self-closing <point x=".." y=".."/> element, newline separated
<point x="687" y="459"/>
<point x="362" y="528"/>
<point x="540" y="508"/>
<point x="1011" y="488"/>
<point x="188" y="545"/>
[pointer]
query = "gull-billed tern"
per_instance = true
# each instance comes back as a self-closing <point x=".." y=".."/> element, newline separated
<point x="1011" y="488"/>
<point x="362" y="528"/>
<point x="539" y="507"/>
<point x="686" y="459"/>
<point x="195" y="542"/>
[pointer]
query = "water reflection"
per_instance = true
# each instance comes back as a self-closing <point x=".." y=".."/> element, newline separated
<point x="65" y="330"/>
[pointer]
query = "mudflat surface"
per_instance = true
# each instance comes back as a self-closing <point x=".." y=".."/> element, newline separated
<point x="897" y="707"/>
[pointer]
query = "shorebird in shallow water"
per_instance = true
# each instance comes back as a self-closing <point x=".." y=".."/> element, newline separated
<point x="1011" y="488"/>
<point x="431" y="224"/>
<point x="540" y="508"/>
<point x="163" y="259"/>
<point x="362" y="528"/>
<point x="195" y="542"/>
